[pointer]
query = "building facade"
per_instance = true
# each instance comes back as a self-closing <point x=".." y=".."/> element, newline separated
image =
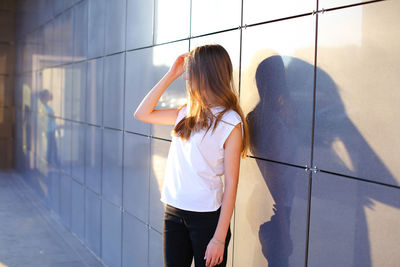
<point x="318" y="82"/>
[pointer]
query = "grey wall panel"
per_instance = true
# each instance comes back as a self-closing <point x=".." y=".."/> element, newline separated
<point x="93" y="158"/>
<point x="135" y="240"/>
<point x="155" y="249"/>
<point x="66" y="37"/>
<point x="80" y="31"/>
<point x="38" y="58"/>
<point x="116" y="164"/>
<point x="113" y="92"/>
<point x="47" y="43"/>
<point x="20" y="101"/>
<point x="206" y="15"/>
<point x="230" y="41"/>
<point x="139" y="23"/>
<point x="67" y="86"/>
<point x="175" y="95"/>
<point x="270" y="215"/>
<point x="260" y="10"/>
<point x="172" y="20"/>
<point x="46" y="188"/>
<point x="96" y="27"/>
<point x="78" y="151"/>
<point x="65" y="145"/>
<point x="136" y="175"/>
<point x="27" y="21"/>
<point x="61" y="5"/>
<point x="94" y="92"/>
<point x="18" y="93"/>
<point x="55" y="192"/>
<point x="277" y="88"/>
<point x="19" y="58"/>
<point x="352" y="221"/>
<point x="45" y="11"/>
<point x="28" y="51"/>
<point x="79" y="91"/>
<point x="65" y="200"/>
<point x="115" y="26"/>
<point x="144" y="69"/>
<point x="138" y="82"/>
<point x="112" y="166"/>
<point x="78" y="209"/>
<point x="338" y="3"/>
<point x="92" y="221"/>
<point x="158" y="160"/>
<point x="356" y="104"/>
<point x="111" y="234"/>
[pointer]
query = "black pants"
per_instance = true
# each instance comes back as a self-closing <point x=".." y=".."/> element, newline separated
<point x="186" y="234"/>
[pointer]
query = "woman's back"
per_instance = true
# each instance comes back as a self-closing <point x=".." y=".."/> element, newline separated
<point x="194" y="167"/>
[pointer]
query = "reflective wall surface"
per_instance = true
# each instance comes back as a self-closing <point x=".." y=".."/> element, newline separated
<point x="320" y="184"/>
<point x="7" y="65"/>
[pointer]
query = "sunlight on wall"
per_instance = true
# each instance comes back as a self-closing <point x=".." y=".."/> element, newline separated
<point x="352" y="21"/>
<point x="164" y="55"/>
<point x="359" y="50"/>
<point x="380" y="219"/>
<point x="341" y="151"/>
<point x="265" y="45"/>
<point x="158" y="163"/>
<point x="163" y="58"/>
<point x="171" y="20"/>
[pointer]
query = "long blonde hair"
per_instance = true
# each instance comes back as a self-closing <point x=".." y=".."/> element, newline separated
<point x="209" y="72"/>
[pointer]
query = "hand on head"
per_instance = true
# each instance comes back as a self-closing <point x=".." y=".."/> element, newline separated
<point x="178" y="68"/>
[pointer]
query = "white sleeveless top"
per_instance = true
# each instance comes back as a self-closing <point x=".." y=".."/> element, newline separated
<point x="194" y="168"/>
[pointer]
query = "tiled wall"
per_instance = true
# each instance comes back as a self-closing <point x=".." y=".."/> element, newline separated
<point x="7" y="64"/>
<point x="318" y="82"/>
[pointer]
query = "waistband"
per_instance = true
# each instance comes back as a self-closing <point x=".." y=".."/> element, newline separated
<point x="177" y="210"/>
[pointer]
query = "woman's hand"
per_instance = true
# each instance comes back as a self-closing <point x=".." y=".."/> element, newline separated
<point x="214" y="253"/>
<point x="178" y="68"/>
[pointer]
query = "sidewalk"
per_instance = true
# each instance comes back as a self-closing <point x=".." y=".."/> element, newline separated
<point x="31" y="235"/>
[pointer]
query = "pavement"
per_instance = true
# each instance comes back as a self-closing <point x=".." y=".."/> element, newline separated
<point x="31" y="234"/>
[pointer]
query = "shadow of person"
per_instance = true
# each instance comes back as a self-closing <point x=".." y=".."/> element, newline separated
<point x="271" y="135"/>
<point x="280" y="130"/>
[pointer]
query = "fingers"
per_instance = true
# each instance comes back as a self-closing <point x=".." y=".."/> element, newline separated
<point x="214" y="255"/>
<point x="212" y="261"/>
<point x="215" y="262"/>
<point x="184" y="54"/>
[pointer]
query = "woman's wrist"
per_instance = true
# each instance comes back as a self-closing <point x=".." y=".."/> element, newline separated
<point x="217" y="241"/>
<point x="172" y="75"/>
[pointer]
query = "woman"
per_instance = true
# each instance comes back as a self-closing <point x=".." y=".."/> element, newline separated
<point x="209" y="137"/>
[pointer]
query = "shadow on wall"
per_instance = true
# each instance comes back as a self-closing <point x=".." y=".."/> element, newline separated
<point x="277" y="131"/>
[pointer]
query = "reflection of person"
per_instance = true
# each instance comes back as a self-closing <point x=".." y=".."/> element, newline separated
<point x="209" y="137"/>
<point x="52" y="157"/>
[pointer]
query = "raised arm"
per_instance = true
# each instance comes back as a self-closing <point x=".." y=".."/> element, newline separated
<point x="146" y="112"/>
